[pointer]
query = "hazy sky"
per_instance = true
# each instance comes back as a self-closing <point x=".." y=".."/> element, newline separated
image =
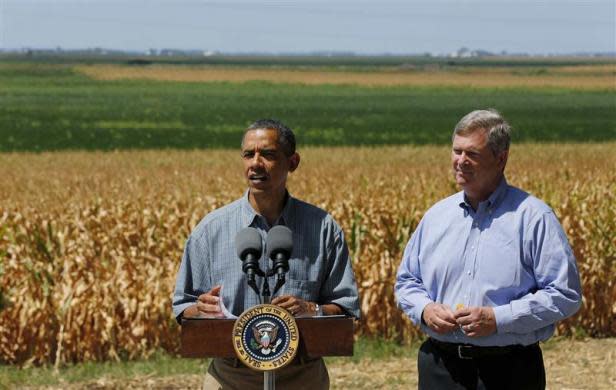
<point x="436" y="26"/>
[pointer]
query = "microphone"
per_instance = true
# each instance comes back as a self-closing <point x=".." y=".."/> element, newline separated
<point x="279" y="244"/>
<point x="249" y="248"/>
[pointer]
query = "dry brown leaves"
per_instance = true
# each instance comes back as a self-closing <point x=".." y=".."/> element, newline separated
<point x="90" y="242"/>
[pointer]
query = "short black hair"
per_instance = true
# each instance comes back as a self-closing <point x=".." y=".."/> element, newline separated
<point x="286" y="137"/>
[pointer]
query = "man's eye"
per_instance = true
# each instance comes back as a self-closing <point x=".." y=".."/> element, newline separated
<point x="248" y="154"/>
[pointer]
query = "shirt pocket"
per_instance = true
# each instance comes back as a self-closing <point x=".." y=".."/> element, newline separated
<point x="307" y="290"/>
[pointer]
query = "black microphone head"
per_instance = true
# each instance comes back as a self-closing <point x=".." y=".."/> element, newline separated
<point x="248" y="241"/>
<point x="279" y="240"/>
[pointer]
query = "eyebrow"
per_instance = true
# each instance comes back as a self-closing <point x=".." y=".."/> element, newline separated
<point x="262" y="150"/>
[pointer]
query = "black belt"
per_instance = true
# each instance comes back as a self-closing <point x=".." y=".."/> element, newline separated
<point x="468" y="351"/>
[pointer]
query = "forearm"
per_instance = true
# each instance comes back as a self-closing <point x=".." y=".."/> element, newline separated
<point x="411" y="296"/>
<point x="535" y="311"/>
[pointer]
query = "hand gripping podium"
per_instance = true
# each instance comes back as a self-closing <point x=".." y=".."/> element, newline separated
<point x="319" y="336"/>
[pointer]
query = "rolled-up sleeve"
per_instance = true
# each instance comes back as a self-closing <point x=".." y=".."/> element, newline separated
<point x="340" y="286"/>
<point x="184" y="294"/>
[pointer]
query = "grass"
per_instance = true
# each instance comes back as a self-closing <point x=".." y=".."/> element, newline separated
<point x="52" y="107"/>
<point x="376" y="364"/>
<point x="162" y="364"/>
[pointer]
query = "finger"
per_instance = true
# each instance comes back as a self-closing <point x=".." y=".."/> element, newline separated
<point x="280" y="299"/>
<point x="448" y="318"/>
<point x="468" y="328"/>
<point x="466" y="311"/>
<point x="445" y="318"/>
<point x="444" y="326"/>
<point x="466" y="318"/>
<point x="216" y="290"/>
<point x="287" y="304"/>
<point x="464" y="321"/>
<point x="207" y="298"/>
<point x="208" y="308"/>
<point x="476" y="332"/>
<point x="445" y="313"/>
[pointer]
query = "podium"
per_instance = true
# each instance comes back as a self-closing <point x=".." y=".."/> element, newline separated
<point x="319" y="336"/>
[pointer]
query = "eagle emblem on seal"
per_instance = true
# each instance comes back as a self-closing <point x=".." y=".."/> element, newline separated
<point x="265" y="337"/>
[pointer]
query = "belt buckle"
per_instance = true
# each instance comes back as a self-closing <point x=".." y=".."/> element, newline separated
<point x="461" y="354"/>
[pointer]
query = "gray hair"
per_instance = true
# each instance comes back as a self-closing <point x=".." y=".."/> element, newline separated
<point x="490" y="120"/>
<point x="286" y="137"/>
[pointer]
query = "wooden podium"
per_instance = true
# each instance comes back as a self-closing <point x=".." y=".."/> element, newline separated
<point x="318" y="336"/>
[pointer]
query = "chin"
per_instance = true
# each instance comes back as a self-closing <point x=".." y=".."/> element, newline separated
<point x="461" y="181"/>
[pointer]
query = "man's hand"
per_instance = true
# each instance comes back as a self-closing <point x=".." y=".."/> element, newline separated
<point x="476" y="321"/>
<point x="439" y="318"/>
<point x="294" y="305"/>
<point x="207" y="306"/>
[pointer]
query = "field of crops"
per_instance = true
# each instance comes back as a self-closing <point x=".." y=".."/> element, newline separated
<point x="94" y="215"/>
<point x="90" y="241"/>
<point x="95" y="107"/>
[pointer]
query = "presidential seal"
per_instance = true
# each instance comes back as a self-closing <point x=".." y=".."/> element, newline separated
<point x="265" y="337"/>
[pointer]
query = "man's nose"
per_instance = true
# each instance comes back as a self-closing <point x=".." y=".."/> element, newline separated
<point x="463" y="159"/>
<point x="257" y="160"/>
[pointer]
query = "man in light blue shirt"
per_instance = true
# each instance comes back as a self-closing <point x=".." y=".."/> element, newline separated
<point x="487" y="273"/>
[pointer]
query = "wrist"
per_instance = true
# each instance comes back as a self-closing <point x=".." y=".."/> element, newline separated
<point x="318" y="310"/>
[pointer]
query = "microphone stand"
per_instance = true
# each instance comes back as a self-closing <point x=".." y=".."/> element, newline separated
<point x="269" y="377"/>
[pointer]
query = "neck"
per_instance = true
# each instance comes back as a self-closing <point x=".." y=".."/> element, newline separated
<point x="476" y="197"/>
<point x="267" y="204"/>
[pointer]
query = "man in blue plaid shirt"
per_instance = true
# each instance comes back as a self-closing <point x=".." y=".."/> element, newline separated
<point x="320" y="280"/>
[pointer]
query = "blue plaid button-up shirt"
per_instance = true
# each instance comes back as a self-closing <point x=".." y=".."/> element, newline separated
<point x="319" y="268"/>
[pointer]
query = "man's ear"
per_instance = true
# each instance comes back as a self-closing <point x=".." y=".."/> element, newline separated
<point x="293" y="162"/>
<point x="502" y="159"/>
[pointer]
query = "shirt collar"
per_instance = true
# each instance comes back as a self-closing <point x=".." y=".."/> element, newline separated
<point x="493" y="200"/>
<point x="249" y="214"/>
<point x="497" y="196"/>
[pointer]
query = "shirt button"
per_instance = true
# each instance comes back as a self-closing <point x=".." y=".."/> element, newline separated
<point x="468" y="272"/>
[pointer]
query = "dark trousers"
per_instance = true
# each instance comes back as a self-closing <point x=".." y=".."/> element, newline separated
<point x="442" y="368"/>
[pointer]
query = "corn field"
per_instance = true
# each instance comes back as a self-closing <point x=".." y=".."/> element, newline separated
<point x="90" y="242"/>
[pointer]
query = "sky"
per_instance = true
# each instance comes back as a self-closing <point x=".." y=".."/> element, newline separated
<point x="304" y="26"/>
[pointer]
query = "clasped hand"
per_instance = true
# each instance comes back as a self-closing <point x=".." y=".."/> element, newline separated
<point x="208" y="305"/>
<point x="474" y="321"/>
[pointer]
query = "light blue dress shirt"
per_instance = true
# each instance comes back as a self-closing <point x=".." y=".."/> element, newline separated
<point x="319" y="268"/>
<point x="511" y="254"/>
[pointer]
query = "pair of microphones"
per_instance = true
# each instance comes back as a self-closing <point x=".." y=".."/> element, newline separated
<point x="278" y="245"/>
